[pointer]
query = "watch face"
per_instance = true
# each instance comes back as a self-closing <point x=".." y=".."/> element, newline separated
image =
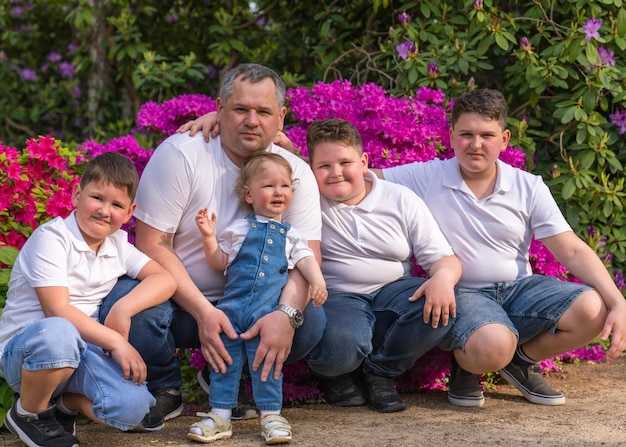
<point x="298" y="319"/>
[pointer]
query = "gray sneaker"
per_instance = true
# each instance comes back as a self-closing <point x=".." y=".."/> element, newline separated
<point x="464" y="388"/>
<point x="40" y="430"/>
<point x="528" y="379"/>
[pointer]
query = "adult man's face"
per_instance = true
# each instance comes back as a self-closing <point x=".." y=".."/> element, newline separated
<point x="249" y="119"/>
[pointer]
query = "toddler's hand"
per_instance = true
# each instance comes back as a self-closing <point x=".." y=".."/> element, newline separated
<point x="206" y="226"/>
<point x="319" y="294"/>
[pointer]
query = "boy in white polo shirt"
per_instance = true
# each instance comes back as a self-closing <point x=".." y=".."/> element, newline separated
<point x="54" y="352"/>
<point x="508" y="318"/>
<point x="378" y="314"/>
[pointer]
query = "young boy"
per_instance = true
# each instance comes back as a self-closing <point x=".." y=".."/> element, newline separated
<point x="508" y="318"/>
<point x="379" y="316"/>
<point x="55" y="354"/>
<point x="256" y="254"/>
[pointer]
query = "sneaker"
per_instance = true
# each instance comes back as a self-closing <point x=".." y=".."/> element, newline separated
<point x="210" y="429"/>
<point x="464" y="388"/>
<point x="42" y="430"/>
<point x="528" y="379"/>
<point x="169" y="404"/>
<point x="341" y="391"/>
<point x="245" y="409"/>
<point x="381" y="393"/>
<point x="67" y="421"/>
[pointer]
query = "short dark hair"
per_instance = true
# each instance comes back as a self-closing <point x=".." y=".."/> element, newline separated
<point x="485" y="101"/>
<point x="113" y="168"/>
<point x="253" y="73"/>
<point x="332" y="130"/>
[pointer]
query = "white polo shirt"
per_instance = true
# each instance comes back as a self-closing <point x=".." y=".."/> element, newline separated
<point x="186" y="174"/>
<point x="370" y="244"/>
<point x="492" y="236"/>
<point x="56" y="254"/>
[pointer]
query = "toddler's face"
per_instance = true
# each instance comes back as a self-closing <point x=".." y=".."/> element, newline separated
<point x="270" y="190"/>
<point x="339" y="171"/>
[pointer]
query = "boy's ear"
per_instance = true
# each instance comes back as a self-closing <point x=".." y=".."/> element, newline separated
<point x="506" y="136"/>
<point x="365" y="160"/>
<point x="75" y="194"/>
<point x="131" y="210"/>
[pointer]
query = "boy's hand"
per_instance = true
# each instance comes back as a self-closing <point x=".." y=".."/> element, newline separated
<point x="615" y="326"/>
<point x="440" y="302"/>
<point x="206" y="226"/>
<point x="133" y="366"/>
<point x="319" y="294"/>
<point x="207" y="123"/>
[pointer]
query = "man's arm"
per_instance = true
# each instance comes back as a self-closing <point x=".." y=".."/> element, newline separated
<point x="211" y="321"/>
<point x="582" y="262"/>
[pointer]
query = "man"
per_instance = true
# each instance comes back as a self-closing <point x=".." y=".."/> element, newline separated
<point x="187" y="174"/>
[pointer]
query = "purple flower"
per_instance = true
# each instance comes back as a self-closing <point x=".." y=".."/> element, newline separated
<point x="72" y="47"/>
<point x="171" y="18"/>
<point x="53" y="56"/>
<point x="618" y="118"/>
<point x="606" y="56"/>
<point x="404" y="18"/>
<point x="618" y="277"/>
<point x="524" y="44"/>
<point x="591" y="27"/>
<point x="28" y="74"/>
<point x="66" y="69"/>
<point x="478" y="5"/>
<point x="432" y="70"/>
<point x="405" y="49"/>
<point x="17" y="12"/>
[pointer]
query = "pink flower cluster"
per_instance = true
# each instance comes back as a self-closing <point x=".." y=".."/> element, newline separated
<point x="171" y="114"/>
<point x="35" y="186"/>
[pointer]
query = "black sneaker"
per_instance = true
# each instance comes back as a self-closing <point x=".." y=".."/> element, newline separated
<point x="245" y="409"/>
<point x="341" y="391"/>
<point x="67" y="421"/>
<point x="168" y="406"/>
<point x="42" y="430"/>
<point x="381" y="393"/>
<point x="464" y="387"/>
<point x="528" y="379"/>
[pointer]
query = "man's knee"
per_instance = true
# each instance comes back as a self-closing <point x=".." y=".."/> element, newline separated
<point x="488" y="349"/>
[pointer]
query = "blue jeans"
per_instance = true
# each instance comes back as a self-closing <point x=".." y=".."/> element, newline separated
<point x="384" y="331"/>
<point x="528" y="307"/>
<point x="156" y="333"/>
<point x="55" y="343"/>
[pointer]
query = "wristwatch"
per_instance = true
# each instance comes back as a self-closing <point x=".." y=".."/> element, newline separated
<point x="295" y="316"/>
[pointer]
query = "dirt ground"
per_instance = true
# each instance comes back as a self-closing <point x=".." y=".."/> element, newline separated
<point x="594" y="415"/>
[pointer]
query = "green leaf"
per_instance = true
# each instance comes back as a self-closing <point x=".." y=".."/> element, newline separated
<point x="621" y="22"/>
<point x="8" y="254"/>
<point x="502" y="42"/>
<point x="568" y="189"/>
<point x="607" y="210"/>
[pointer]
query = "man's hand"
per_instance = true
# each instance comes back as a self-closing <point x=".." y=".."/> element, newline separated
<point x="615" y="326"/>
<point x="213" y="348"/>
<point x="440" y="302"/>
<point x="276" y="337"/>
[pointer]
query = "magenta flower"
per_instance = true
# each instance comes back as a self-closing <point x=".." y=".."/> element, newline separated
<point x="478" y="5"/>
<point x="404" y="18"/>
<point x="591" y="27"/>
<point x="406" y="49"/>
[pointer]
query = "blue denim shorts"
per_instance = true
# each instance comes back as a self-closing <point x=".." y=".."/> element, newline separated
<point x="528" y="307"/>
<point x="55" y="343"/>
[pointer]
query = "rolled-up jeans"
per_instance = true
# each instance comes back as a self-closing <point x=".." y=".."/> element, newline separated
<point x="54" y="343"/>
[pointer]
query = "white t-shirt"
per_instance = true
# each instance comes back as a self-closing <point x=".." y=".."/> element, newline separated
<point x="56" y="255"/>
<point x="370" y="244"/>
<point x="231" y="240"/>
<point x="492" y="236"/>
<point x="186" y="174"/>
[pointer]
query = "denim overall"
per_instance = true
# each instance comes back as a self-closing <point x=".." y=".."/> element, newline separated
<point x="254" y="282"/>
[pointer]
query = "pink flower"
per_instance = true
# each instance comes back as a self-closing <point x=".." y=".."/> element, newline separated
<point x="591" y="27"/>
